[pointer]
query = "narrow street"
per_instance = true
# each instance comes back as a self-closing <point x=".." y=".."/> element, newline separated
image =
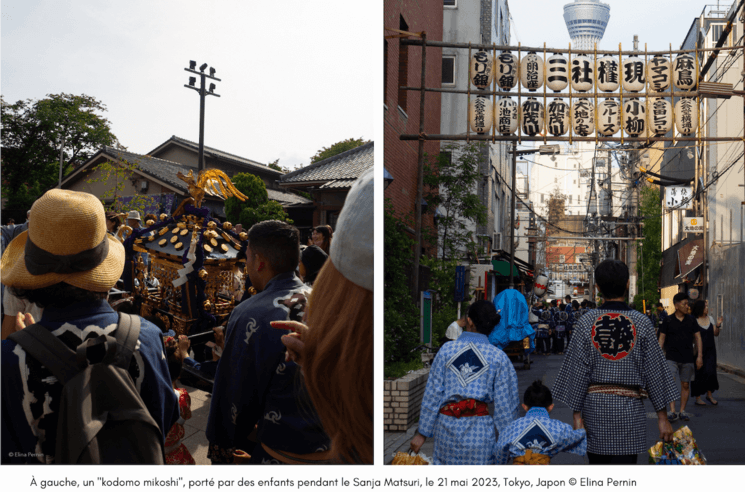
<point x="718" y="430"/>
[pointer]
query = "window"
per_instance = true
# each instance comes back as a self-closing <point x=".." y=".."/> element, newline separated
<point x="561" y="258"/>
<point x="449" y="3"/>
<point x="570" y="199"/>
<point x="403" y="66"/>
<point x="447" y="155"/>
<point x="541" y="197"/>
<point x="448" y="70"/>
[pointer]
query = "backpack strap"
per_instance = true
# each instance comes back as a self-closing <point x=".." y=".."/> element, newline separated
<point x="43" y="346"/>
<point x="127" y="333"/>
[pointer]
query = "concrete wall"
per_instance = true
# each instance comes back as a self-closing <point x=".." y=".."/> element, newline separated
<point x="727" y="298"/>
<point x="478" y="21"/>
<point x="402" y="400"/>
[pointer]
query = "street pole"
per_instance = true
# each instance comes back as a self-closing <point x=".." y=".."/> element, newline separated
<point x="203" y="93"/>
<point x="420" y="174"/>
<point x="512" y="215"/>
<point x="61" y="156"/>
<point x="200" y="164"/>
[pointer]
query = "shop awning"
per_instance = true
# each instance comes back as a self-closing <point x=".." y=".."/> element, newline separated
<point x="502" y="267"/>
<point x="670" y="271"/>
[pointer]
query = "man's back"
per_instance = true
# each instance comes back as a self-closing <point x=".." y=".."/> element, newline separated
<point x="255" y="386"/>
<point x="31" y="395"/>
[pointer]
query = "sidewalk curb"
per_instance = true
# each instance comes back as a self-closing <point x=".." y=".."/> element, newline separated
<point x="407" y="436"/>
<point x="731" y="369"/>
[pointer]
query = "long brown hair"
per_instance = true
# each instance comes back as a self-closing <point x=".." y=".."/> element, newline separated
<point x="338" y="363"/>
<point x="327" y="233"/>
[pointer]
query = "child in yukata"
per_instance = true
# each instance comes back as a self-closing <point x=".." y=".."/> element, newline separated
<point x="535" y="438"/>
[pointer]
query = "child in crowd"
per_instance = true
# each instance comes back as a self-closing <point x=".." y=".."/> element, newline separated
<point x="535" y="438"/>
<point x="176" y="452"/>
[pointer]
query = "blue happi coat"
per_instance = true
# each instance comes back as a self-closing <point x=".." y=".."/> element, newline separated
<point x="469" y="367"/>
<point x="537" y="432"/>
<point x="31" y="395"/>
<point x="254" y="385"/>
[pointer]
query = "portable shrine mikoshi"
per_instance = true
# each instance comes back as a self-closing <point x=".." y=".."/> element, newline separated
<point x="193" y="256"/>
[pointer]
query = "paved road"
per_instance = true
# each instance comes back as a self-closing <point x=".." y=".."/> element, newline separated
<point x="719" y="430"/>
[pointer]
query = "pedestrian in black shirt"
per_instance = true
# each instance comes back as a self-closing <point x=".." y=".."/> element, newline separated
<point x="677" y="334"/>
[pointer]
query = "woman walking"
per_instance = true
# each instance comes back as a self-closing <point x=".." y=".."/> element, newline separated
<point x="706" y="381"/>
<point x="467" y="375"/>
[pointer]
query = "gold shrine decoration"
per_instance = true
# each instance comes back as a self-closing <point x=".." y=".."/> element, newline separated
<point x="210" y="181"/>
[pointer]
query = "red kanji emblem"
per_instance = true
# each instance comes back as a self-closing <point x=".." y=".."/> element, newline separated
<point x="613" y="335"/>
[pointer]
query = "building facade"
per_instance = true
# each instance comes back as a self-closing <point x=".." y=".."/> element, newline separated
<point x="477" y="21"/>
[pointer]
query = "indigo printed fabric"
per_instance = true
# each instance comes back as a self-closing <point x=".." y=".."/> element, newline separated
<point x="254" y="386"/>
<point x="537" y="432"/>
<point x="31" y="395"/>
<point x="614" y="345"/>
<point x="469" y="367"/>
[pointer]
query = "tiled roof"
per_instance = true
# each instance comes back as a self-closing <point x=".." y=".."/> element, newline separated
<point x="212" y="152"/>
<point x="286" y="198"/>
<point x="158" y="168"/>
<point x="166" y="171"/>
<point x="341" y="169"/>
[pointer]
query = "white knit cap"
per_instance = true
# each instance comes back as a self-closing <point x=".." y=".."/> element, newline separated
<point x="352" y="245"/>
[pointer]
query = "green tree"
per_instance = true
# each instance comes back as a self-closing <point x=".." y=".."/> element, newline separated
<point x="34" y="131"/>
<point x="257" y="206"/>
<point x="451" y="180"/>
<point x="275" y="165"/>
<point x="649" y="252"/>
<point x="401" y="317"/>
<point x="114" y="175"/>
<point x="338" y="148"/>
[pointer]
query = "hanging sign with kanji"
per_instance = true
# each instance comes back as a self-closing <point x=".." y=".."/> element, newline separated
<point x="679" y="197"/>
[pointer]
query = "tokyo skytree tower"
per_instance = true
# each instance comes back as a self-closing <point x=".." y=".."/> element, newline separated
<point x="586" y="21"/>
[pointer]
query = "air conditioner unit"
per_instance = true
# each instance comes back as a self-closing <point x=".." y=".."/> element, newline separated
<point x="496" y="242"/>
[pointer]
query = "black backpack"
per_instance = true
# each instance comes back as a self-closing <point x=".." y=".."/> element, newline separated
<point x="102" y="418"/>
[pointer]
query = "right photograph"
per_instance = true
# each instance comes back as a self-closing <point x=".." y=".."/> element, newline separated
<point x="564" y="227"/>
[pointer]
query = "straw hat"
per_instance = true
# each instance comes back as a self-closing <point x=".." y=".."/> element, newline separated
<point x="66" y="242"/>
<point x="352" y="247"/>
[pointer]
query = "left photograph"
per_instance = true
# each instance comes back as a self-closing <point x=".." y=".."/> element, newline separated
<point x="187" y="235"/>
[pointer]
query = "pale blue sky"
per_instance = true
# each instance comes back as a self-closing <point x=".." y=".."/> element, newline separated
<point x="296" y="75"/>
<point x="657" y="22"/>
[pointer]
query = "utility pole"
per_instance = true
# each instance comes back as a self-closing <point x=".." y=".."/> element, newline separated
<point x="420" y="175"/>
<point x="202" y="90"/>
<point x="512" y="215"/>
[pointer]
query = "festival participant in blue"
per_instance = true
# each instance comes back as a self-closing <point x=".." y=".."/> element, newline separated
<point x="67" y="263"/>
<point x="254" y="384"/>
<point x="536" y="438"/>
<point x="562" y="324"/>
<point x="467" y="375"/>
<point x="542" y="328"/>
<point x="613" y="363"/>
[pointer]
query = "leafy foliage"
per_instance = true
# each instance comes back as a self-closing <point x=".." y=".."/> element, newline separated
<point x="401" y="317"/>
<point x="444" y="307"/>
<point x="257" y="206"/>
<point x="451" y="179"/>
<point x="33" y="133"/>
<point x="114" y="176"/>
<point x="275" y="165"/>
<point x="337" y="148"/>
<point x="649" y="253"/>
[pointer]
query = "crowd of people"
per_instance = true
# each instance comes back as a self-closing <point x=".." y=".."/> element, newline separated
<point x="292" y="369"/>
<point x="616" y="357"/>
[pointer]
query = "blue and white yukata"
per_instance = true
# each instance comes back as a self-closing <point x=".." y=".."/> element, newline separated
<point x="469" y="367"/>
<point x="541" y="434"/>
<point x="255" y="386"/>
